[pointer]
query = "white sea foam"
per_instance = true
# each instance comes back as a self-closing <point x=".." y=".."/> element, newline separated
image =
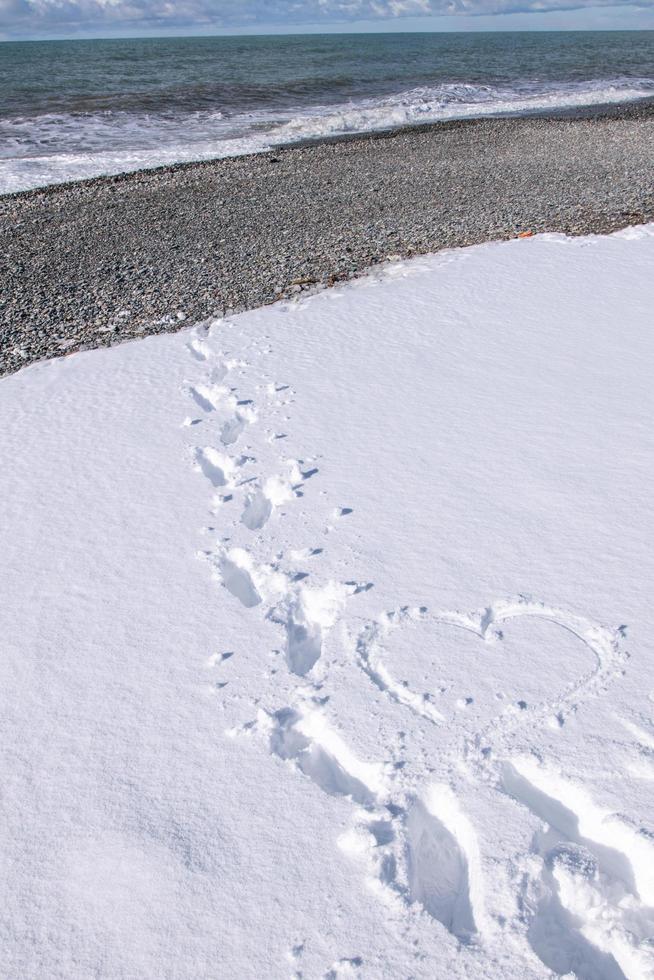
<point x="52" y="148"/>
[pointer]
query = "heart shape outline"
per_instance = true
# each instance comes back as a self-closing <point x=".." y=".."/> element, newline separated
<point x="604" y="643"/>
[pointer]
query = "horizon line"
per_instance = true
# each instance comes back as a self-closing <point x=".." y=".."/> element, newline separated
<point x="320" y="33"/>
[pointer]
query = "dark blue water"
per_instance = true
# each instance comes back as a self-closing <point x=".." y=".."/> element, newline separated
<point x="72" y="109"/>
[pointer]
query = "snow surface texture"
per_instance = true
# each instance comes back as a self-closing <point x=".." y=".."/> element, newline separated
<point x="397" y="719"/>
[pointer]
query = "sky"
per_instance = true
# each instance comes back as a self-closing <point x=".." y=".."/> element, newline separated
<point x="106" y="18"/>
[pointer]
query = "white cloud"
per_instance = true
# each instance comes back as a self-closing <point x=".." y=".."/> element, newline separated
<point x="72" y="16"/>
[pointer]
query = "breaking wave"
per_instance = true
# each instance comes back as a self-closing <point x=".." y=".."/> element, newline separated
<point x="55" y="147"/>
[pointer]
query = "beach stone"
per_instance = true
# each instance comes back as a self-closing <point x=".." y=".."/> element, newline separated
<point x="215" y="237"/>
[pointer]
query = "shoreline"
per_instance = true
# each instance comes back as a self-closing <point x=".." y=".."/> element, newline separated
<point x="90" y="263"/>
<point x="642" y="108"/>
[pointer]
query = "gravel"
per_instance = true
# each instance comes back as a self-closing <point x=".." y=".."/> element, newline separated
<point x="92" y="263"/>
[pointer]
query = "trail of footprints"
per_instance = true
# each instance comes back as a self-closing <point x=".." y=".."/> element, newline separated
<point x="587" y="886"/>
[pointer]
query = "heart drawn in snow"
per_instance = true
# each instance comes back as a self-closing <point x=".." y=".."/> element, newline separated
<point x="552" y="658"/>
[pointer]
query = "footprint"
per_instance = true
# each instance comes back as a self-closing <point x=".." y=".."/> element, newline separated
<point x="623" y="852"/>
<point x="307" y="614"/>
<point x="258" y="508"/>
<point x="554" y="932"/>
<point x="222" y="368"/>
<point x="423" y="850"/>
<point x="303" y="646"/>
<point x="233" y="427"/>
<point x="208" y="397"/>
<point x="262" y="502"/>
<point x="237" y="579"/>
<point x="218" y="468"/>
<point x="199" y="350"/>
<point x="596" y="893"/>
<point x="438" y="872"/>
<point x="305" y="738"/>
<point x="248" y="582"/>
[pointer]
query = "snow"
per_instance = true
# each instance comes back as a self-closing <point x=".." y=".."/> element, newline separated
<point x="327" y="633"/>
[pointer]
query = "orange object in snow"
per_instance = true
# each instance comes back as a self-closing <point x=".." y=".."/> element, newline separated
<point x="525" y="234"/>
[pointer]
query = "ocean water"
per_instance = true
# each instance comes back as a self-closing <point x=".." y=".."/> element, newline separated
<point x="74" y="109"/>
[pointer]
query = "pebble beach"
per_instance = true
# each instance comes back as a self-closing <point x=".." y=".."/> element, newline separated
<point x="101" y="261"/>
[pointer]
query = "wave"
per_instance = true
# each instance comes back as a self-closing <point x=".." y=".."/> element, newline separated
<point x="56" y="147"/>
<point x="458" y="101"/>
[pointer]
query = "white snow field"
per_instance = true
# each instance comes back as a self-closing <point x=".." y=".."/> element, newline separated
<point x="327" y="633"/>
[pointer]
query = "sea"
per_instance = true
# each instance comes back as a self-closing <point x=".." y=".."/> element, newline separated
<point x="82" y="108"/>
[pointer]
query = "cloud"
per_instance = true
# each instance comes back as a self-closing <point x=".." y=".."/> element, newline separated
<point x="74" y="16"/>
